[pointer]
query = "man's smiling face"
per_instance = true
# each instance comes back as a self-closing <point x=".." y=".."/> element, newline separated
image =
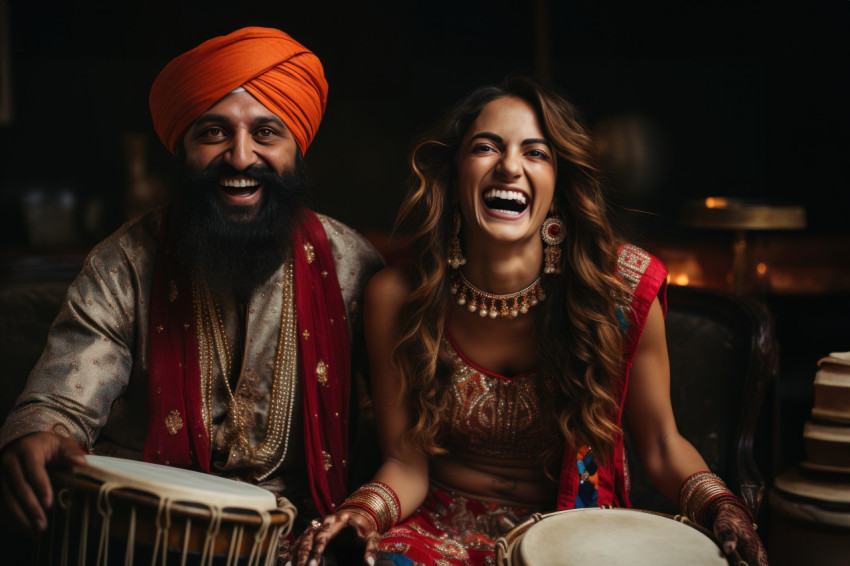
<point x="239" y="136"/>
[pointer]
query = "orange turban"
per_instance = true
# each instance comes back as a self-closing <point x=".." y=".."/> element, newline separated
<point x="274" y="68"/>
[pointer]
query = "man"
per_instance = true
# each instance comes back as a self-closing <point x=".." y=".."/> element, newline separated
<point x="213" y="333"/>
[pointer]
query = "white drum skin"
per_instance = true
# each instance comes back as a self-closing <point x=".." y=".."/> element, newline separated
<point x="578" y="537"/>
<point x="176" y="483"/>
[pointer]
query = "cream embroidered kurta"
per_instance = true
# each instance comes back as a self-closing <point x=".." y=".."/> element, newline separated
<point x="91" y="381"/>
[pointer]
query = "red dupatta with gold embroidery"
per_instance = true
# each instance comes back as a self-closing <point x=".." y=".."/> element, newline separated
<point x="176" y="434"/>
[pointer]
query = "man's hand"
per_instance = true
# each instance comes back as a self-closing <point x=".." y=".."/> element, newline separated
<point x="25" y="490"/>
<point x="735" y="531"/>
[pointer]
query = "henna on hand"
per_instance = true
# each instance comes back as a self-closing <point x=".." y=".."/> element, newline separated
<point x="735" y="531"/>
<point x="312" y="543"/>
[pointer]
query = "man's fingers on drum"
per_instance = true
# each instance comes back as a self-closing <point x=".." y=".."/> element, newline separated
<point x="36" y="473"/>
<point x="18" y="490"/>
<point x="21" y="518"/>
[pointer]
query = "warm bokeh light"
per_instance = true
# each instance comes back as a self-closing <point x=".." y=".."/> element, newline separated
<point x="761" y="269"/>
<point x="683" y="269"/>
<point x="678" y="278"/>
<point x="715" y="202"/>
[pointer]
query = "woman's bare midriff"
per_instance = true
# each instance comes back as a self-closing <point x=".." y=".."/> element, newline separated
<point x="520" y="483"/>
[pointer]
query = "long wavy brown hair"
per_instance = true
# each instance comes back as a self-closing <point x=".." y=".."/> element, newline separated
<point x="579" y="337"/>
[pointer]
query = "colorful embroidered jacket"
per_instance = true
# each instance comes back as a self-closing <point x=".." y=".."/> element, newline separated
<point x="647" y="277"/>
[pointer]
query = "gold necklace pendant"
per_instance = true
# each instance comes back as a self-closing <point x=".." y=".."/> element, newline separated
<point x="486" y="304"/>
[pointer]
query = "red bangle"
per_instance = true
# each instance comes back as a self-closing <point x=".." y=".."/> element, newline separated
<point x="712" y="506"/>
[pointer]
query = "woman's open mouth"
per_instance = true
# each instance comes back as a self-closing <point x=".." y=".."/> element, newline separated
<point x="506" y="201"/>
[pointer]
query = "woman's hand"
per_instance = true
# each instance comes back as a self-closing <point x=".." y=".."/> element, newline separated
<point x="308" y="549"/>
<point x="734" y="529"/>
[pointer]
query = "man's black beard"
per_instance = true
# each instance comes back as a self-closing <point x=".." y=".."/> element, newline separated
<point x="236" y="255"/>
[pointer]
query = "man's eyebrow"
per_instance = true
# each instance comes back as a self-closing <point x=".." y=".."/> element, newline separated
<point x="222" y="119"/>
<point x="269" y="120"/>
<point x="210" y="118"/>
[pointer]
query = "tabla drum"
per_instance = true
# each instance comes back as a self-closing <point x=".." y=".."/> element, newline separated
<point x="577" y="537"/>
<point x="117" y="511"/>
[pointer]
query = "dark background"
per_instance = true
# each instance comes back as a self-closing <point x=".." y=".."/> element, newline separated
<point x="735" y="99"/>
<point x="742" y="99"/>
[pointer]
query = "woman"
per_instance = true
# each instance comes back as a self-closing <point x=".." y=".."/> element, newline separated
<point x="491" y="406"/>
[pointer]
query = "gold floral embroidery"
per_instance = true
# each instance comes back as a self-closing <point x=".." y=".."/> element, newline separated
<point x="173" y="422"/>
<point x="328" y="460"/>
<point x="172" y="291"/>
<point x="160" y="329"/>
<point x="497" y="417"/>
<point x="310" y="252"/>
<point x="322" y="373"/>
<point x="306" y="334"/>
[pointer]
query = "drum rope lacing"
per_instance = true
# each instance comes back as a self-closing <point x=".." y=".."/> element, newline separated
<point x="104" y="507"/>
<point x="84" y="531"/>
<point x="108" y="495"/>
<point x="64" y="499"/>
<point x="162" y="523"/>
<point x="259" y="536"/>
<point x="212" y="532"/>
<point x="235" y="542"/>
<point x="131" y="539"/>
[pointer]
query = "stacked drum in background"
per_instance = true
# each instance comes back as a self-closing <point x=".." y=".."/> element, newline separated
<point x="810" y="504"/>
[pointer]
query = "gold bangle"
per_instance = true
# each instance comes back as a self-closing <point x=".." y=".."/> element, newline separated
<point x="390" y="499"/>
<point x="698" y="492"/>
<point x="379" y="501"/>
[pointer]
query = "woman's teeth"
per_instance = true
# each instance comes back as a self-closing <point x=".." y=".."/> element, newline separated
<point x="506" y="201"/>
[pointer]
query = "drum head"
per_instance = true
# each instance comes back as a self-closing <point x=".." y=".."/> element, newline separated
<point x="177" y="484"/>
<point x="615" y="536"/>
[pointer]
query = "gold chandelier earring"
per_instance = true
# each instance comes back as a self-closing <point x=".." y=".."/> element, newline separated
<point x="553" y="233"/>
<point x="456" y="258"/>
